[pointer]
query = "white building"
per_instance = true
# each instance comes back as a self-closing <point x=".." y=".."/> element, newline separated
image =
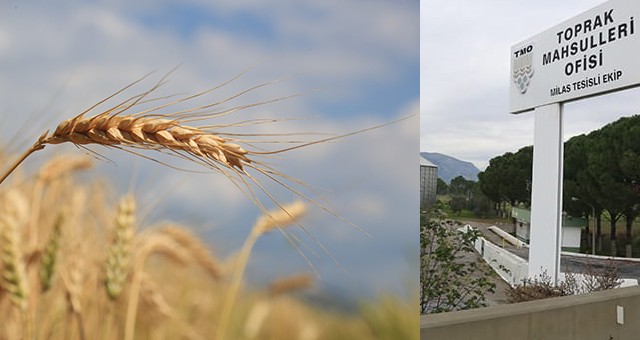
<point x="428" y="183"/>
<point x="571" y="228"/>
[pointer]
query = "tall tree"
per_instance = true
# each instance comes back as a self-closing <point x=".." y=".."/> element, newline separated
<point x="607" y="154"/>
<point x="579" y="184"/>
<point x="441" y="187"/>
<point x="507" y="179"/>
<point x="460" y="186"/>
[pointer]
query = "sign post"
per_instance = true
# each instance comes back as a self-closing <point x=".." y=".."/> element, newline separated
<point x="546" y="196"/>
<point x="594" y="53"/>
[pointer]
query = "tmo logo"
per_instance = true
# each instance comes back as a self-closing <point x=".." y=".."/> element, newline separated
<point x="522" y="67"/>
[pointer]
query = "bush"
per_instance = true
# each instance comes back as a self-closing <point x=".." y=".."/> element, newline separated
<point x="541" y="287"/>
<point x="452" y="277"/>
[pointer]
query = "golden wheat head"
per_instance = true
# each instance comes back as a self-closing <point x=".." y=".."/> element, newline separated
<point x="119" y="252"/>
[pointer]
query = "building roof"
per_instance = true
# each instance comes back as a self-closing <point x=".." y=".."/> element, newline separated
<point x="524" y="215"/>
<point x="425" y="162"/>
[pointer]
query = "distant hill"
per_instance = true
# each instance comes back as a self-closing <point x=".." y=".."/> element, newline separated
<point x="450" y="168"/>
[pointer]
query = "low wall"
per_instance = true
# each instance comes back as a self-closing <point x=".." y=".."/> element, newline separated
<point x="508" y="237"/>
<point x="510" y="267"/>
<point x="578" y="317"/>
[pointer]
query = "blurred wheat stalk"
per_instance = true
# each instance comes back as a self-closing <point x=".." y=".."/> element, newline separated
<point x="73" y="269"/>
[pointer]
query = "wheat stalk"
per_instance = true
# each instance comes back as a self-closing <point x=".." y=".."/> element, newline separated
<point x="256" y="317"/>
<point x="195" y="247"/>
<point x="153" y="242"/>
<point x="287" y="214"/>
<point x="72" y="282"/>
<point x="50" y="171"/>
<point x="156" y="305"/>
<point x="148" y="244"/>
<point x="176" y="243"/>
<point x="261" y="309"/>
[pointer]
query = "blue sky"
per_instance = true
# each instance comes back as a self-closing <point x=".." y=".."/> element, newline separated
<point x="356" y="61"/>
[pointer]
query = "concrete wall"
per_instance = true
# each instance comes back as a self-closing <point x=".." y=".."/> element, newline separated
<point x="508" y="237"/>
<point x="579" y="317"/>
<point x="510" y="267"/>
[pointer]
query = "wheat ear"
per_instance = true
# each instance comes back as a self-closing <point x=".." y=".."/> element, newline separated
<point x="50" y="254"/>
<point x="147" y="244"/>
<point x="195" y="247"/>
<point x="256" y="317"/>
<point x="50" y="171"/>
<point x="72" y="282"/>
<point x="118" y="261"/>
<point x="261" y="309"/>
<point x="145" y="130"/>
<point x="148" y="130"/>
<point x="14" y="273"/>
<point x="288" y="214"/>
<point x="291" y="283"/>
<point x="119" y="252"/>
<point x="14" y="276"/>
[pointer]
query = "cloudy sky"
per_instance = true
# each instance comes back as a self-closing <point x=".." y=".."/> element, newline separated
<point x="357" y="63"/>
<point x="464" y="51"/>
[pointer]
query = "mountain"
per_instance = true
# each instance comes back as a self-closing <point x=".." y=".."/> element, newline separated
<point x="450" y="168"/>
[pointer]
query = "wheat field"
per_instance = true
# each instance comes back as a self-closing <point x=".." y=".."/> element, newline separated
<point x="76" y="262"/>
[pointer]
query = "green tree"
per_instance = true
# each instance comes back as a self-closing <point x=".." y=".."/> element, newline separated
<point x="492" y="184"/>
<point x="442" y="188"/>
<point x="507" y="179"/>
<point x="457" y="203"/>
<point x="452" y="277"/>
<point x="602" y="169"/>
<point x="605" y="154"/>
<point x="488" y="186"/>
<point x="580" y="187"/>
<point x="629" y="165"/>
<point x="480" y="205"/>
<point x="460" y="186"/>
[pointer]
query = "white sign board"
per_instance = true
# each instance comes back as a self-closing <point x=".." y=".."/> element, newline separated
<point x="593" y="53"/>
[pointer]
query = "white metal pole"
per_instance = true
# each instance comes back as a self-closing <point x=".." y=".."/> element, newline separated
<point x="546" y="195"/>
